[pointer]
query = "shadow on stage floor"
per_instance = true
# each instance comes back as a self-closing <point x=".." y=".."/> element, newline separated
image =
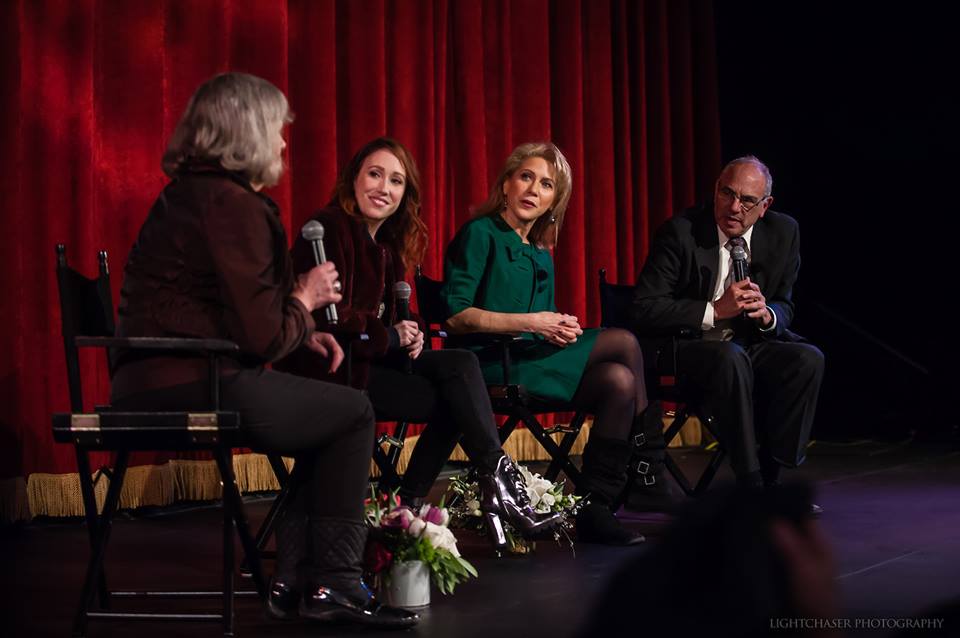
<point x="892" y="514"/>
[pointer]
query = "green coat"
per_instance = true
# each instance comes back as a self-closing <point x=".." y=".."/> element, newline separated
<point x="488" y="266"/>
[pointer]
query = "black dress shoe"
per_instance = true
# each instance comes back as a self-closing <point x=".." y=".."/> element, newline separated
<point x="328" y="605"/>
<point x="815" y="510"/>
<point x="597" y="524"/>
<point x="283" y="600"/>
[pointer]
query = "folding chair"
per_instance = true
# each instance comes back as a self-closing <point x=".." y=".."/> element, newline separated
<point x="87" y="321"/>
<point x="662" y="376"/>
<point x="510" y="399"/>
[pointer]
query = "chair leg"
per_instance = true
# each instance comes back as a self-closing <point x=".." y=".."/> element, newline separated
<point x="550" y="446"/>
<point x="400" y="434"/>
<point x="90" y="513"/>
<point x="709" y="473"/>
<point x="95" y="566"/>
<point x="566" y="444"/>
<point x="232" y="494"/>
<point x="388" y="473"/>
<point x="228" y="559"/>
<point x="283" y="478"/>
<point x="508" y="427"/>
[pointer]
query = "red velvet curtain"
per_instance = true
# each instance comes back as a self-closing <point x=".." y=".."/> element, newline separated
<point x="91" y="89"/>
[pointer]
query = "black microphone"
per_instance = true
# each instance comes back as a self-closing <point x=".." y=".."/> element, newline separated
<point x="741" y="270"/>
<point x="401" y="300"/>
<point x="313" y="232"/>
<point x="401" y="296"/>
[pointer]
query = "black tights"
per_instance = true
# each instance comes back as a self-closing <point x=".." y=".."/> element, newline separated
<point x="446" y="390"/>
<point x="612" y="385"/>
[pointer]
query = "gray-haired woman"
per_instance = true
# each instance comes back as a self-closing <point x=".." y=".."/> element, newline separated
<point x="211" y="261"/>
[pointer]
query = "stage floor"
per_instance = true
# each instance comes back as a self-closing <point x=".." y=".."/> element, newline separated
<point x="892" y="514"/>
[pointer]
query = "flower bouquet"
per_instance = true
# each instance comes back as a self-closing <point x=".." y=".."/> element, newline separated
<point x="545" y="497"/>
<point x="401" y="536"/>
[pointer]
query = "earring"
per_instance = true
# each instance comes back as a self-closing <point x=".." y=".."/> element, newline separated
<point x="553" y="219"/>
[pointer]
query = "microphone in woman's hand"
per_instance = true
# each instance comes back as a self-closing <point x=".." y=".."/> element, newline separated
<point x="401" y="301"/>
<point x="312" y="231"/>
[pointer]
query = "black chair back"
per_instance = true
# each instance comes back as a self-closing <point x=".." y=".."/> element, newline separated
<point x="86" y="309"/>
<point x="615" y="303"/>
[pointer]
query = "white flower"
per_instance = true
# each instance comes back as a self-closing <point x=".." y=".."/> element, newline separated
<point x="548" y="499"/>
<point x="525" y="473"/>
<point x="534" y="496"/>
<point x="416" y="527"/>
<point x="441" y="538"/>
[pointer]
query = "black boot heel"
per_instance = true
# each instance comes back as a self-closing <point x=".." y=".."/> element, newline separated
<point x="498" y="538"/>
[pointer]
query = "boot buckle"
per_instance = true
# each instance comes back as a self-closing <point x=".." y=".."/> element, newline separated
<point x="643" y="467"/>
<point x="639" y="440"/>
<point x="649" y="479"/>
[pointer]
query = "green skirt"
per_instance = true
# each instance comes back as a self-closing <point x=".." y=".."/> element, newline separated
<point x="547" y="371"/>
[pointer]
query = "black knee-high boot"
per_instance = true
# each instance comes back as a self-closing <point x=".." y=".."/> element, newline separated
<point x="649" y="489"/>
<point x="602" y="480"/>
<point x="286" y="586"/>
<point x="334" y="590"/>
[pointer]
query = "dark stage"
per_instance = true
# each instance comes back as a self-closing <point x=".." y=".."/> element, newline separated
<point x="891" y="515"/>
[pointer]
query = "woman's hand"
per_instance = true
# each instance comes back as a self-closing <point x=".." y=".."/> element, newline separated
<point x="557" y="328"/>
<point x="318" y="287"/>
<point x="325" y="344"/>
<point x="410" y="337"/>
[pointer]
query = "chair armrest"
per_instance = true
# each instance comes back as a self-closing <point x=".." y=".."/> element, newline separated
<point x="160" y="343"/>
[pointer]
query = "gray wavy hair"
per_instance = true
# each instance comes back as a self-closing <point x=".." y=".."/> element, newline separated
<point x="755" y="161"/>
<point x="229" y="120"/>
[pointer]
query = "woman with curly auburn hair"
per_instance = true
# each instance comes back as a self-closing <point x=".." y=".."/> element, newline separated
<point x="373" y="234"/>
<point x="499" y="279"/>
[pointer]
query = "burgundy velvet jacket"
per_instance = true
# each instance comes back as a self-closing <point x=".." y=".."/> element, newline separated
<point x="210" y="261"/>
<point x="368" y="270"/>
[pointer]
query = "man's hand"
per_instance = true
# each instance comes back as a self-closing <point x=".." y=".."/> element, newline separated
<point x="743" y="296"/>
<point x="324" y="344"/>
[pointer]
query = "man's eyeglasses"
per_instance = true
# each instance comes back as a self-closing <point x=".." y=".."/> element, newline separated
<point x="747" y="202"/>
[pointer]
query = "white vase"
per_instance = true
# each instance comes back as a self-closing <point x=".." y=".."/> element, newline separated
<point x="408" y="585"/>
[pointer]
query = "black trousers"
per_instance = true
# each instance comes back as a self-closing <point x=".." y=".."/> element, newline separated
<point x="446" y="391"/>
<point x="326" y="427"/>
<point x="762" y="396"/>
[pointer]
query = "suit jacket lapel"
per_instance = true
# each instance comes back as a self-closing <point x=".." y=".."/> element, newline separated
<point x="759" y="254"/>
<point x="706" y="253"/>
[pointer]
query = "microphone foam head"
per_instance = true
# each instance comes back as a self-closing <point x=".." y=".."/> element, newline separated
<point x="738" y="253"/>
<point x="312" y="231"/>
<point x="401" y="290"/>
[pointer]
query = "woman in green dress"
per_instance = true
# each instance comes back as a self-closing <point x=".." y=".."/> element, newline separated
<point x="499" y="279"/>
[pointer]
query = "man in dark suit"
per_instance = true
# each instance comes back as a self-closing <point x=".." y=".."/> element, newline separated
<point x="759" y="380"/>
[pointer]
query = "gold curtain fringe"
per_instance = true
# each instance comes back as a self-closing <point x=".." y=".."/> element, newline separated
<point x="188" y="480"/>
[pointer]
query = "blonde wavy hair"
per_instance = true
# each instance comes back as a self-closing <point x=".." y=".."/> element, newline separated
<point x="546" y="229"/>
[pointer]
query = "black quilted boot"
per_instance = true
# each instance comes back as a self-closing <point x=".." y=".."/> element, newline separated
<point x="285" y="586"/>
<point x="334" y="591"/>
